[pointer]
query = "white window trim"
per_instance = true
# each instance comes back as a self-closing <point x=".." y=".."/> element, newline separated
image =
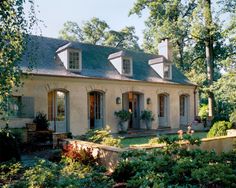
<point x="80" y="60"/>
<point x="131" y="66"/>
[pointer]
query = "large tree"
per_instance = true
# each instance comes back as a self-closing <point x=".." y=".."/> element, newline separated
<point x="125" y="38"/>
<point x="168" y="19"/>
<point x="194" y="31"/>
<point x="92" y="31"/>
<point x="14" y="27"/>
<point x="96" y="31"/>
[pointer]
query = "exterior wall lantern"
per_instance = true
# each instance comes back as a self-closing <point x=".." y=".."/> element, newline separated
<point x="148" y="100"/>
<point x="118" y="100"/>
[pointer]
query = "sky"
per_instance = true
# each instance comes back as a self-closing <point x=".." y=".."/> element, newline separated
<point x="54" y="13"/>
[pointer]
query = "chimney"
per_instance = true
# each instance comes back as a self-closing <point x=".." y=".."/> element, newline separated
<point x="165" y="49"/>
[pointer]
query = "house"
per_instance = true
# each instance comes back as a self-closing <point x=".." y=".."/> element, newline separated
<point x="80" y="86"/>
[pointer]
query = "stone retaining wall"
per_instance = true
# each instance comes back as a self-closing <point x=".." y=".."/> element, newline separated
<point x="109" y="156"/>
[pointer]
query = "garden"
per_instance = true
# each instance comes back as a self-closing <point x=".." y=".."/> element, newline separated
<point x="173" y="165"/>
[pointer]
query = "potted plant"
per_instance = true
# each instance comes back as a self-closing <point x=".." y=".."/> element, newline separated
<point x="41" y="122"/>
<point x="147" y="117"/>
<point x="123" y="116"/>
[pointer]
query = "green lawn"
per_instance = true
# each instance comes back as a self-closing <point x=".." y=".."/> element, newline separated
<point x="126" y="142"/>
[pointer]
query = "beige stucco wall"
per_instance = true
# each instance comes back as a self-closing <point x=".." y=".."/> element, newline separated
<point x="39" y="86"/>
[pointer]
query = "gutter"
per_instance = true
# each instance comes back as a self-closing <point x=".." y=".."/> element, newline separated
<point x="108" y="79"/>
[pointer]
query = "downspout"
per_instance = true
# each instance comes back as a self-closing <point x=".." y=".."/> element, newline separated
<point x="195" y="102"/>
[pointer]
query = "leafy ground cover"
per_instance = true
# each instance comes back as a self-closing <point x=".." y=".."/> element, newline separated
<point x="171" y="166"/>
<point x="126" y="142"/>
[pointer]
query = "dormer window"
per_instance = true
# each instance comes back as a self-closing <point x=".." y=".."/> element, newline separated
<point x="126" y="66"/>
<point x="162" y="67"/>
<point x="70" y="56"/>
<point x="74" y="60"/>
<point x="123" y="62"/>
<point x="167" y="71"/>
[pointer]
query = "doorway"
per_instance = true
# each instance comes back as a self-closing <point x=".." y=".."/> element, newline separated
<point x="57" y="110"/>
<point x="163" y="110"/>
<point x="183" y="109"/>
<point x="96" y="110"/>
<point x="131" y="102"/>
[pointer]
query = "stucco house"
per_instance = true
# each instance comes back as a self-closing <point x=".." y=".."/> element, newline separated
<point x="80" y="86"/>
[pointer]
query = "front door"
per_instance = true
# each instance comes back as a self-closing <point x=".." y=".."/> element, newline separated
<point x="95" y="110"/>
<point x="183" y="100"/>
<point x="163" y="110"/>
<point x="57" y="111"/>
<point x="133" y="107"/>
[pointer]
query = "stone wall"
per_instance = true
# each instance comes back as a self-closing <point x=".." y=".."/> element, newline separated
<point x="109" y="156"/>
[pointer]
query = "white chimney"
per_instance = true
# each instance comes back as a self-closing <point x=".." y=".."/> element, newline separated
<point x="165" y="49"/>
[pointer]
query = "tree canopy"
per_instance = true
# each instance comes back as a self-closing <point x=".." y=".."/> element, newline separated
<point x="98" y="32"/>
<point x="203" y="44"/>
<point x="13" y="29"/>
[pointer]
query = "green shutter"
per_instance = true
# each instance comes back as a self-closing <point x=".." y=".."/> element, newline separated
<point x="27" y="107"/>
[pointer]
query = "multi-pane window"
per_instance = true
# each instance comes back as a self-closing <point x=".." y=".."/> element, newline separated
<point x="21" y="107"/>
<point x="162" y="105"/>
<point x="126" y="66"/>
<point x="166" y="71"/>
<point x="14" y="106"/>
<point x="182" y="105"/>
<point x="74" y="60"/>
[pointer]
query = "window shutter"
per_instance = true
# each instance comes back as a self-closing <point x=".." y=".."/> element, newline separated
<point x="27" y="110"/>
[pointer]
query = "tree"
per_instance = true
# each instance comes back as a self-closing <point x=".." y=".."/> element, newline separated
<point x="194" y="30"/>
<point x="13" y="30"/>
<point x="125" y="38"/>
<point x="168" y="19"/>
<point x="96" y="31"/>
<point x="70" y="31"/>
<point x="92" y="31"/>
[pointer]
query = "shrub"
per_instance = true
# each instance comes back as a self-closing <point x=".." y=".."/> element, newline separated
<point x="153" y="141"/>
<point x="219" y="129"/>
<point x="41" y="121"/>
<point x="102" y="136"/>
<point x="203" y="112"/>
<point x="9" y="171"/>
<point x="42" y="174"/>
<point x="20" y="134"/>
<point x="8" y="146"/>
<point x="232" y="118"/>
<point x="176" y="167"/>
<point x="85" y="156"/>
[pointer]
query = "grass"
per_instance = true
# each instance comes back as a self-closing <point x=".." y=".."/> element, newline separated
<point x="126" y="142"/>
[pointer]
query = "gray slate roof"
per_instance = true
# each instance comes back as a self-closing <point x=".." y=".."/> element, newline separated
<point x="41" y="53"/>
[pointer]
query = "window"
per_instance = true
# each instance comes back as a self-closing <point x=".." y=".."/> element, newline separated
<point x="21" y="107"/>
<point x="182" y="105"/>
<point x="162" y="105"/>
<point x="74" y="60"/>
<point x="14" y="106"/>
<point x="126" y="66"/>
<point x="166" y="71"/>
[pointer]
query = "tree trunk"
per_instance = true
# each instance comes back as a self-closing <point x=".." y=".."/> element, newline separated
<point x="209" y="54"/>
<point x="181" y="51"/>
